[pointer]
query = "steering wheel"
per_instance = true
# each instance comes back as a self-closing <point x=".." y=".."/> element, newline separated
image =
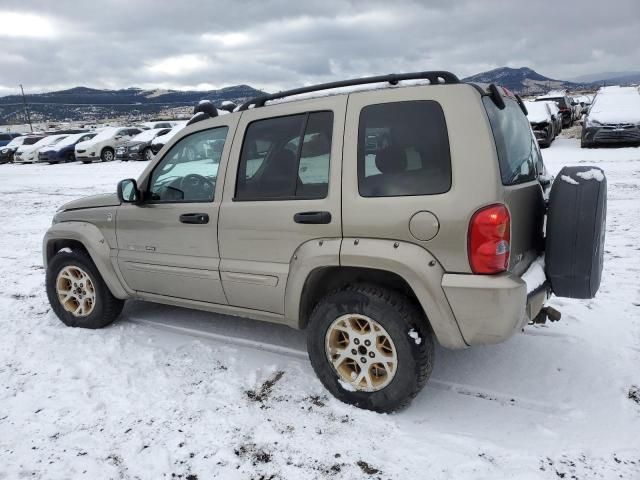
<point x="197" y="186"/>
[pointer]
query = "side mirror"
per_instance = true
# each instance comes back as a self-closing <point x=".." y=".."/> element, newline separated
<point x="128" y="191"/>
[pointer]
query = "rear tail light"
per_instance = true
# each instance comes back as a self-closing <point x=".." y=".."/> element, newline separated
<point x="489" y="239"/>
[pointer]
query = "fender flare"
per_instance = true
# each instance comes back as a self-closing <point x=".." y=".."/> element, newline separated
<point x="96" y="245"/>
<point x="422" y="272"/>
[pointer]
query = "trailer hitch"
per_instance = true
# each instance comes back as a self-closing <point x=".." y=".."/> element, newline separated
<point x="547" y="313"/>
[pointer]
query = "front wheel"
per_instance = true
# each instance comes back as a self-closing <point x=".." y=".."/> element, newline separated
<point x="147" y="154"/>
<point x="77" y="293"/>
<point x="107" y="155"/>
<point x="370" y="347"/>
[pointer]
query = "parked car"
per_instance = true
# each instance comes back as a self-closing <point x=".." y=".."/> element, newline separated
<point x="555" y="115"/>
<point x="613" y="118"/>
<point x="29" y="153"/>
<point x="159" y="124"/>
<point x="159" y="142"/>
<point x="103" y="146"/>
<point x="7" y="152"/>
<point x="564" y="105"/>
<point x="6" y="137"/>
<point x="139" y="148"/>
<point x="64" y="150"/>
<point x="378" y="254"/>
<point x="542" y="123"/>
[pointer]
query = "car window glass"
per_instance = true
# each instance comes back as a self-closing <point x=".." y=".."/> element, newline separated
<point x="515" y="143"/>
<point x="403" y="149"/>
<point x="189" y="170"/>
<point x="286" y="157"/>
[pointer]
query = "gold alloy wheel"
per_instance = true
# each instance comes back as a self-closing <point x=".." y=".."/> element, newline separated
<point x="361" y="352"/>
<point x="75" y="290"/>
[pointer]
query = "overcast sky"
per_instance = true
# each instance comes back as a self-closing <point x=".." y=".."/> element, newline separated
<point x="272" y="44"/>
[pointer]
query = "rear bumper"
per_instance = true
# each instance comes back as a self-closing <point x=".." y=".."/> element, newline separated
<point x="491" y="308"/>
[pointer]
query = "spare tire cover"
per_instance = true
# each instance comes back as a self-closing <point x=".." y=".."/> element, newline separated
<point x="575" y="232"/>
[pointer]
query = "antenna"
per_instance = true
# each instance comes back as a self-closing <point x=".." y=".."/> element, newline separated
<point x="26" y="108"/>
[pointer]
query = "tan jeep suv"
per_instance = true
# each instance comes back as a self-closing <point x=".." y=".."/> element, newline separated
<point x="398" y="211"/>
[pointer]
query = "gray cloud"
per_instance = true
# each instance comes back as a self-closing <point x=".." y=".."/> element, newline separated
<point x="275" y="44"/>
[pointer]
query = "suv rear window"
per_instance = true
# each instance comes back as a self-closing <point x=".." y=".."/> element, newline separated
<point x="515" y="144"/>
<point x="403" y="149"/>
<point x="5" y="136"/>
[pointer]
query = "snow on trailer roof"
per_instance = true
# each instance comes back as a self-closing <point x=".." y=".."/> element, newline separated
<point x="553" y="94"/>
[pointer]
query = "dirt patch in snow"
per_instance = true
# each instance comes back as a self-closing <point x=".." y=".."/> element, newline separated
<point x="262" y="394"/>
<point x="634" y="394"/>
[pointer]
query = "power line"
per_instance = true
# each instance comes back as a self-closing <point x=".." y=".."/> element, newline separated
<point x="26" y="108"/>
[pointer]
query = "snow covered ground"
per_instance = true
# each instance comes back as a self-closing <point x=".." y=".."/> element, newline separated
<point x="171" y="393"/>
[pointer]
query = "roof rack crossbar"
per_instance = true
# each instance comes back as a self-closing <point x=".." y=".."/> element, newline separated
<point x="435" y="77"/>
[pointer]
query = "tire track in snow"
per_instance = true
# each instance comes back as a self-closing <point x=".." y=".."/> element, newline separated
<point x="466" y="390"/>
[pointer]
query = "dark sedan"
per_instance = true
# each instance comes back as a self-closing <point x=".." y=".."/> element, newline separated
<point x="139" y="148"/>
<point x="64" y="150"/>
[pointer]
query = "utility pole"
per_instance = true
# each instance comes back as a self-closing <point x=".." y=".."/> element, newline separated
<point x="26" y="108"/>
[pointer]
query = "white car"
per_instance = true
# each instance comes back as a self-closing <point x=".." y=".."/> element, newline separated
<point x="160" y="124"/>
<point x="159" y="142"/>
<point x="103" y="145"/>
<point x="29" y="153"/>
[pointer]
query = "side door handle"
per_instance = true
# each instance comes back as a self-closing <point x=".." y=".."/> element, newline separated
<point x="312" y="217"/>
<point x="194" y="218"/>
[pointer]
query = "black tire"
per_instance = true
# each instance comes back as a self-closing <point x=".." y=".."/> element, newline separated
<point x="398" y="316"/>
<point x="106" y="308"/>
<point x="107" y="155"/>
<point x="53" y="163"/>
<point x="71" y="158"/>
<point x="86" y="161"/>
<point x="576" y="223"/>
<point x="147" y="154"/>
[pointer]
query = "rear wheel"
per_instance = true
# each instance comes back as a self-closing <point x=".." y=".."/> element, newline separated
<point x="107" y="155"/>
<point x="77" y="293"/>
<point x="370" y="347"/>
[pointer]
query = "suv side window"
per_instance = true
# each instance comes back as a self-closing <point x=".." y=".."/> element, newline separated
<point x="515" y="144"/>
<point x="403" y="149"/>
<point x="286" y="158"/>
<point x="189" y="170"/>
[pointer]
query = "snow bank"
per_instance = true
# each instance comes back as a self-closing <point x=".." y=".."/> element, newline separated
<point x="614" y="105"/>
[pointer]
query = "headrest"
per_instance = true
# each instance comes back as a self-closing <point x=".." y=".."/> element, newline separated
<point x="391" y="160"/>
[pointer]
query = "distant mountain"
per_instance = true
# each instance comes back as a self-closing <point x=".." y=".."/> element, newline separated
<point x="524" y="80"/>
<point x="610" y="77"/>
<point x="90" y="104"/>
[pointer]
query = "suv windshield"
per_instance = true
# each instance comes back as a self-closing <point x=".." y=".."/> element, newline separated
<point x="515" y="145"/>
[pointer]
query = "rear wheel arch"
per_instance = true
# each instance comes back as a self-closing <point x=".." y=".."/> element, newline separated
<point x="322" y="281"/>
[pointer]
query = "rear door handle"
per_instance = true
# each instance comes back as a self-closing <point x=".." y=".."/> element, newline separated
<point x="312" y="217"/>
<point x="194" y="218"/>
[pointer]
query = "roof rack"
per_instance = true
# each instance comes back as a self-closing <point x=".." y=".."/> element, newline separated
<point x="435" y="77"/>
